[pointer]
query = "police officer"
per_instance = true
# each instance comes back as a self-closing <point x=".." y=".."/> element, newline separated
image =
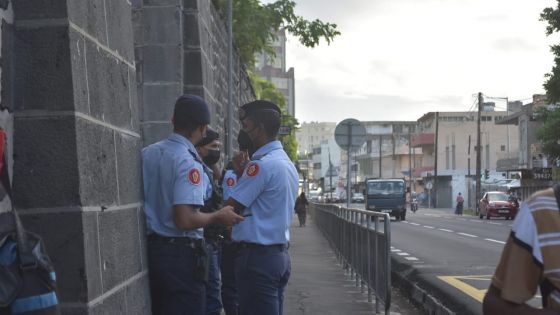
<point x="229" y="180"/>
<point x="173" y="194"/>
<point x="209" y="151"/>
<point x="265" y="195"/>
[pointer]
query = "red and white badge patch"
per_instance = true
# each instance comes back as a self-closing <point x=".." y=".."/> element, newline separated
<point x="194" y="176"/>
<point x="230" y="182"/>
<point x="252" y="169"/>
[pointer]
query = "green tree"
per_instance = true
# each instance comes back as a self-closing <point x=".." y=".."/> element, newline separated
<point x="549" y="133"/>
<point x="255" y="26"/>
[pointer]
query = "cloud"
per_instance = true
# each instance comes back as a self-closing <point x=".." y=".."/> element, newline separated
<point x="513" y="44"/>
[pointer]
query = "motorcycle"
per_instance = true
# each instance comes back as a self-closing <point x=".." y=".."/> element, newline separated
<point x="414" y="205"/>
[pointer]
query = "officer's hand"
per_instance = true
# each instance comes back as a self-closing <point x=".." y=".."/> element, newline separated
<point x="227" y="216"/>
<point x="240" y="159"/>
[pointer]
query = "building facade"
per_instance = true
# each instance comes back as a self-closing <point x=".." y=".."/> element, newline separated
<point x="273" y="69"/>
<point x="455" y="154"/>
<point x="311" y="134"/>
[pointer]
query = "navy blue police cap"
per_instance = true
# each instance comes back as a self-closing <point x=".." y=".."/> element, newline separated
<point x="191" y="109"/>
<point x="259" y="106"/>
<point x="211" y="135"/>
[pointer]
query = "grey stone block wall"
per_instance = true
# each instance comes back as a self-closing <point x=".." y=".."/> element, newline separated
<point x="181" y="47"/>
<point x="77" y="173"/>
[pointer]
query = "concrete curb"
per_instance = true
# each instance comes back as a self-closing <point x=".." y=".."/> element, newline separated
<point x="402" y="278"/>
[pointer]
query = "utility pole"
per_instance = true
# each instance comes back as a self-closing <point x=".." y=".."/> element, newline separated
<point x="330" y="174"/>
<point x="409" y="163"/>
<point x="477" y="196"/>
<point x="435" y="162"/>
<point x="469" y="174"/>
<point x="380" y="154"/>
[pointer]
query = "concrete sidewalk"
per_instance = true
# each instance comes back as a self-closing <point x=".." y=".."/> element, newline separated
<point x="318" y="284"/>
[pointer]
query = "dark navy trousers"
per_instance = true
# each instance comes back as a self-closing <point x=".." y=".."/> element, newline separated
<point x="213" y="296"/>
<point x="262" y="273"/>
<point x="229" y="288"/>
<point x="173" y="288"/>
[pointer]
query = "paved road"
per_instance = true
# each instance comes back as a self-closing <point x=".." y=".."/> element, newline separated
<point x="455" y="256"/>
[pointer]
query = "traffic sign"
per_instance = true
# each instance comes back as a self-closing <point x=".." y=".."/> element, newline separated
<point x="350" y="134"/>
<point x="429" y="185"/>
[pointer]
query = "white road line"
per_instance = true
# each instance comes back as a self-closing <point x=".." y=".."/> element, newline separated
<point x="465" y="234"/>
<point x="495" y="241"/>
<point x="403" y="254"/>
<point x="414" y="223"/>
<point x="429" y="227"/>
<point x="494" y="223"/>
<point x="477" y="221"/>
<point x="396" y="250"/>
<point x="446" y="230"/>
<point x="437" y="216"/>
<point x="411" y="258"/>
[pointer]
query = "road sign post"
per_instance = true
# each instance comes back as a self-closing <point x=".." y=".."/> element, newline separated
<point x="350" y="135"/>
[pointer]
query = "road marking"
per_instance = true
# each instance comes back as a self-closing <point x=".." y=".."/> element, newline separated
<point x="394" y="250"/>
<point x="467" y="289"/>
<point x="494" y="223"/>
<point x="477" y="221"/>
<point x="429" y="227"/>
<point x="446" y="230"/>
<point x="495" y="241"/>
<point x="411" y="258"/>
<point x="414" y="223"/>
<point x="402" y="254"/>
<point x="465" y="234"/>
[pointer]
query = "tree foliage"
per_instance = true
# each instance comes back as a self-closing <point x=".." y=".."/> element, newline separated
<point x="549" y="133"/>
<point x="255" y="26"/>
<point x="552" y="83"/>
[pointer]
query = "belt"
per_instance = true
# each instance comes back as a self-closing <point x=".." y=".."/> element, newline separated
<point x="244" y="245"/>
<point x="186" y="241"/>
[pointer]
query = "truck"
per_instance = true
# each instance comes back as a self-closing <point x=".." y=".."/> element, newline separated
<point x="387" y="196"/>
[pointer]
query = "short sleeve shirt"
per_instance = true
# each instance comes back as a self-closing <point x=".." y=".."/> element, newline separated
<point x="532" y="252"/>
<point x="228" y="182"/>
<point x="172" y="175"/>
<point x="268" y="189"/>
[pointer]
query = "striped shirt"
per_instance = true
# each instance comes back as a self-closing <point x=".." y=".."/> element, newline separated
<point x="532" y="252"/>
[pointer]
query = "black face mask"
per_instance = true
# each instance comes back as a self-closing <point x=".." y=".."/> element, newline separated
<point x="212" y="158"/>
<point x="244" y="141"/>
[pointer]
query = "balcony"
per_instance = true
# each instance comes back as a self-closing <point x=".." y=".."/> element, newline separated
<point x="423" y="139"/>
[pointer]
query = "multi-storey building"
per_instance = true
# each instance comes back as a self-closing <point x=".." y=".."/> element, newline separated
<point x="455" y="154"/>
<point x="273" y="69"/>
<point x="529" y="160"/>
<point x="386" y="154"/>
<point x="312" y="134"/>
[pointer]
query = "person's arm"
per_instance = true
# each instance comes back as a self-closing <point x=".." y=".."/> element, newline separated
<point x="186" y="217"/>
<point x="493" y="303"/>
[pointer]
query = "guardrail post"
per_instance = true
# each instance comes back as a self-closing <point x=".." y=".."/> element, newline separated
<point x="368" y="220"/>
<point x="376" y="272"/>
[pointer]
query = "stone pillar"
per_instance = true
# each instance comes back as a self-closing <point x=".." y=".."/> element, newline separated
<point x="181" y="47"/>
<point x="77" y="173"/>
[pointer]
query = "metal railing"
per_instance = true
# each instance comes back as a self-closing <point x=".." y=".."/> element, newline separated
<point x="362" y="242"/>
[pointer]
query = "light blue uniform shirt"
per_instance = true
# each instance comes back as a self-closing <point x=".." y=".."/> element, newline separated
<point x="171" y="176"/>
<point x="207" y="183"/>
<point x="268" y="189"/>
<point x="229" y="181"/>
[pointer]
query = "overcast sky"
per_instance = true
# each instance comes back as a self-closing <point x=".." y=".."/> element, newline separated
<point x="399" y="59"/>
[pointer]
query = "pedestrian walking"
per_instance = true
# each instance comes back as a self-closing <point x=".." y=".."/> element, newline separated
<point x="530" y="260"/>
<point x="301" y="208"/>
<point x="265" y="195"/>
<point x="173" y="194"/>
<point x="209" y="150"/>
<point x="459" y="208"/>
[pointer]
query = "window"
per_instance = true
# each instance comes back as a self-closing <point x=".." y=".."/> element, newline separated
<point x="316" y="166"/>
<point x="503" y="148"/>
